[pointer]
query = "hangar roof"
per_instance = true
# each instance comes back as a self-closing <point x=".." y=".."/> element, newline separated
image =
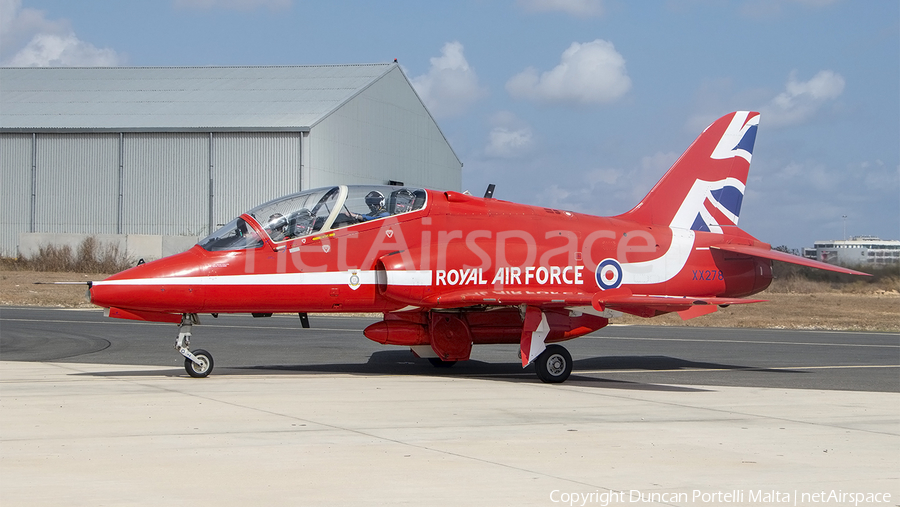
<point x="124" y="99"/>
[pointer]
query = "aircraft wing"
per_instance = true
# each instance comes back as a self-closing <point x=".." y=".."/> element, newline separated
<point x="775" y="255"/>
<point x="622" y="299"/>
<point x="649" y="305"/>
<point x="512" y="297"/>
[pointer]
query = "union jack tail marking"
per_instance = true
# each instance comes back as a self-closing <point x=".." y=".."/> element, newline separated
<point x="704" y="189"/>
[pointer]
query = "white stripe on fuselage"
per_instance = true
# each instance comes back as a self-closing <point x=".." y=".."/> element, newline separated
<point x="657" y="270"/>
<point x="663" y="268"/>
<point x="412" y="277"/>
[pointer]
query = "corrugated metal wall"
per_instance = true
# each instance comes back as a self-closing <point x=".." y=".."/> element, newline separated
<point x="165" y="181"/>
<point x="166" y="184"/>
<point x="76" y="183"/>
<point x="382" y="134"/>
<point x="252" y="168"/>
<point x="15" y="182"/>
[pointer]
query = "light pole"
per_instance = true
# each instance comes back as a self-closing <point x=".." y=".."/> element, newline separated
<point x="845" y="226"/>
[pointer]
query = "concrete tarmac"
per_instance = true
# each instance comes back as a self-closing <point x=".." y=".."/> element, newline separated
<point x="95" y="433"/>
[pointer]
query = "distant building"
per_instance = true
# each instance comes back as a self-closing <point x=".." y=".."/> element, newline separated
<point x="856" y="251"/>
<point x="163" y="155"/>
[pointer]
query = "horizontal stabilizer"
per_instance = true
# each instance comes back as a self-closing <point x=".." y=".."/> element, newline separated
<point x="775" y="255"/>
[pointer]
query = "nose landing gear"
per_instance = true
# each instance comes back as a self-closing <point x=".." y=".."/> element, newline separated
<point x="202" y="367"/>
<point x="198" y="363"/>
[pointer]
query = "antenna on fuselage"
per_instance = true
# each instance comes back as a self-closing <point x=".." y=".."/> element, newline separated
<point x="489" y="193"/>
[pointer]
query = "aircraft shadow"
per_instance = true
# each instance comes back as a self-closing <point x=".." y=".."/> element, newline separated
<point x="660" y="363"/>
<point x="401" y="362"/>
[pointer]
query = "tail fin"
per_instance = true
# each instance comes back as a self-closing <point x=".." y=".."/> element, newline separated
<point x="704" y="189"/>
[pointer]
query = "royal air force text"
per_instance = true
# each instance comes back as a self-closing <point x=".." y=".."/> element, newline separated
<point x="530" y="275"/>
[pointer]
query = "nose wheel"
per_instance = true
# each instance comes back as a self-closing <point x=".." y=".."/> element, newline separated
<point x="198" y="363"/>
<point x="201" y="368"/>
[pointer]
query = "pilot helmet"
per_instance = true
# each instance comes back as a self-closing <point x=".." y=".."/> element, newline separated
<point x="375" y="200"/>
<point x="277" y="222"/>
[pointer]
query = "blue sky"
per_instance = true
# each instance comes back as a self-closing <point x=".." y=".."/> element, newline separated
<point x="576" y="104"/>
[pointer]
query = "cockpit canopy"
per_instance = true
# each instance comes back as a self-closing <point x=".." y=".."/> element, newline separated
<point x="314" y="211"/>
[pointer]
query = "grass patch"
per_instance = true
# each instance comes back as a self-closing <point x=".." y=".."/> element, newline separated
<point x="91" y="256"/>
<point x="792" y="278"/>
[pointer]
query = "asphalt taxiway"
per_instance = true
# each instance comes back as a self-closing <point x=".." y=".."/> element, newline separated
<point x="96" y="411"/>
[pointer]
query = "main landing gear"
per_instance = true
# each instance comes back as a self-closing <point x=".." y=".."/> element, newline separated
<point x="553" y="365"/>
<point x="198" y="363"/>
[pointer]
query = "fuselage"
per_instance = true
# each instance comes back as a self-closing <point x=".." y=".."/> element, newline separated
<point x="452" y="250"/>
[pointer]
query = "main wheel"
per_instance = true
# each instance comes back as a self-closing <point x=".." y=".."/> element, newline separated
<point x="199" y="370"/>
<point x="554" y="364"/>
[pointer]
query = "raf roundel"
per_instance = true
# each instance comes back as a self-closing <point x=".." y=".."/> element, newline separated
<point x="609" y="274"/>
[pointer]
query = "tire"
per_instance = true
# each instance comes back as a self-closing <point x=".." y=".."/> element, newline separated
<point x="553" y="365"/>
<point x="440" y="363"/>
<point x="199" y="371"/>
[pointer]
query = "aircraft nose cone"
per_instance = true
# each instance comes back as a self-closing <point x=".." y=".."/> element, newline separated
<point x="147" y="295"/>
<point x="158" y="286"/>
<point x="103" y="295"/>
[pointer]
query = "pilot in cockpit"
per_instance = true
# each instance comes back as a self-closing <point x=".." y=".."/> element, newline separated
<point x="302" y="222"/>
<point x="375" y="202"/>
<point x="276" y="227"/>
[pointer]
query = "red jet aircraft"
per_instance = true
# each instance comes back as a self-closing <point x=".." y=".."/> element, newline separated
<point x="449" y="270"/>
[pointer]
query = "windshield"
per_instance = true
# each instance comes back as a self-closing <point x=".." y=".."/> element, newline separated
<point x="236" y="235"/>
<point x="316" y="210"/>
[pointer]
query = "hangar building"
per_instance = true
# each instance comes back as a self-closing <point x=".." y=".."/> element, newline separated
<point x="865" y="251"/>
<point x="156" y="157"/>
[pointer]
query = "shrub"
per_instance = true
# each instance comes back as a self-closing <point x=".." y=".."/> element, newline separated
<point x="794" y="278"/>
<point x="91" y="257"/>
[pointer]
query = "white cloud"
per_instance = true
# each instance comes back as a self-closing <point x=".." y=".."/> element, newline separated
<point x="606" y="190"/>
<point x="506" y="143"/>
<point x="641" y="179"/>
<point x="51" y="50"/>
<point x="18" y="26"/>
<point x="589" y="73"/>
<point x="50" y="42"/>
<point x="577" y="8"/>
<point x="593" y="191"/>
<point x="603" y="176"/>
<point x="801" y="99"/>
<point x="555" y="196"/>
<point x="451" y="85"/>
<point x="509" y="137"/>
<point x="237" y="5"/>
<point x="811" y="175"/>
<point x="877" y="176"/>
